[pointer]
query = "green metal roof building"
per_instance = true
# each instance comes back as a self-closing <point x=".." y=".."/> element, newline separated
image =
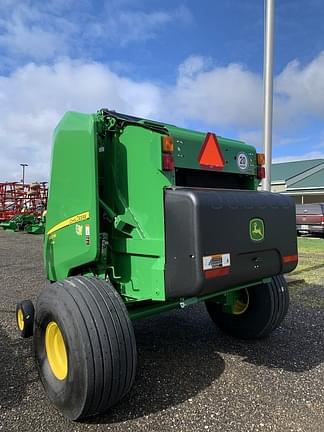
<point x="303" y="180"/>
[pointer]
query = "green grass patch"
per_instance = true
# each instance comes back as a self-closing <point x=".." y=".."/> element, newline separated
<point x="308" y="244"/>
<point x="307" y="280"/>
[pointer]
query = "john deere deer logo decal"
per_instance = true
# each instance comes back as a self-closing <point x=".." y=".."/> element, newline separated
<point x="256" y="229"/>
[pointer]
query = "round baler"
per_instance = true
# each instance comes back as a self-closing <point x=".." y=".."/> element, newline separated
<point x="143" y="218"/>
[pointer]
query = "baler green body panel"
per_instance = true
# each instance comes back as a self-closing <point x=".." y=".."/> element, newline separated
<point x="72" y="234"/>
<point x="188" y="144"/>
<point x="133" y="188"/>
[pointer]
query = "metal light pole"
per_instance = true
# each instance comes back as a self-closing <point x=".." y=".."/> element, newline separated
<point x="23" y="165"/>
<point x="268" y="90"/>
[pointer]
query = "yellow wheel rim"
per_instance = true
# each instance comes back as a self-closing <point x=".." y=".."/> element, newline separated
<point x="242" y="303"/>
<point x="20" y="320"/>
<point x="56" y="351"/>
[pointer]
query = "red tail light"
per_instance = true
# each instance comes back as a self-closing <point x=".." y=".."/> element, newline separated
<point x="260" y="172"/>
<point x="322" y="220"/>
<point x="167" y="162"/>
<point x="260" y="159"/>
<point x="167" y="153"/>
<point x="223" y="271"/>
<point x="289" y="258"/>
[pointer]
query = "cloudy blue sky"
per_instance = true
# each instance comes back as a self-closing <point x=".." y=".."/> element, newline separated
<point x="195" y="64"/>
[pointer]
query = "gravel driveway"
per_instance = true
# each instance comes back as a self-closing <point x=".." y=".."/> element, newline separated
<point x="190" y="376"/>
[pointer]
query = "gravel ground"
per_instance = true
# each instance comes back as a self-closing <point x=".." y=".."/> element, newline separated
<point x="190" y="376"/>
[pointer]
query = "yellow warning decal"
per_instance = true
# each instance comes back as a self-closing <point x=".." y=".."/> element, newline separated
<point x="70" y="221"/>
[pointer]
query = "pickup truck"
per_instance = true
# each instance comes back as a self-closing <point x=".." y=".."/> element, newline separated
<point x="310" y="219"/>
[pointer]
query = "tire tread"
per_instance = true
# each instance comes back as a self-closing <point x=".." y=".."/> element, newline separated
<point x="243" y="326"/>
<point x="107" y="339"/>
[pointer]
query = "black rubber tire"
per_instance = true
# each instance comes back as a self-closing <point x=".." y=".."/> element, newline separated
<point x="28" y="312"/>
<point x="100" y="345"/>
<point x="268" y="305"/>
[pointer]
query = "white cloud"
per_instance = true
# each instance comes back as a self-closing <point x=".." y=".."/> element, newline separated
<point x="223" y="95"/>
<point x="192" y="66"/>
<point x="232" y="95"/>
<point x="300" y="89"/>
<point x="34" y="97"/>
<point x="253" y="137"/>
<point x="279" y="139"/>
<point x="39" y="31"/>
<point x="34" y="42"/>
<point x="305" y="156"/>
<point x="28" y="31"/>
<point x="140" y="25"/>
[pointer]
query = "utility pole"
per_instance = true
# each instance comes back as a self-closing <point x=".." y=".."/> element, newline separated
<point x="23" y="165"/>
<point x="268" y="90"/>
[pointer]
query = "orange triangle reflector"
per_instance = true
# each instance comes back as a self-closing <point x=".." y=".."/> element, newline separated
<point x="210" y="154"/>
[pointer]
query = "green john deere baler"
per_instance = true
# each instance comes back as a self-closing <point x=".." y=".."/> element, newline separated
<point x="142" y="218"/>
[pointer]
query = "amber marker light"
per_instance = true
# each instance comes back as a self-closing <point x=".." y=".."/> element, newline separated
<point x="167" y="144"/>
<point x="260" y="158"/>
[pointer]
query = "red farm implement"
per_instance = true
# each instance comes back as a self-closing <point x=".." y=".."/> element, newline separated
<point x="18" y="198"/>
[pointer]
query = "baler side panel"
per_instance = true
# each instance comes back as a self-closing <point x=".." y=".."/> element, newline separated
<point x="134" y="190"/>
<point x="71" y="236"/>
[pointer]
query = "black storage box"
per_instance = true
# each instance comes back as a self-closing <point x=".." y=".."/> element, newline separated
<point x="220" y="238"/>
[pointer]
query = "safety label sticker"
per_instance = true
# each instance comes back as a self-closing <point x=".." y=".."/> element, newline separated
<point x="87" y="234"/>
<point x="216" y="261"/>
<point x="78" y="229"/>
